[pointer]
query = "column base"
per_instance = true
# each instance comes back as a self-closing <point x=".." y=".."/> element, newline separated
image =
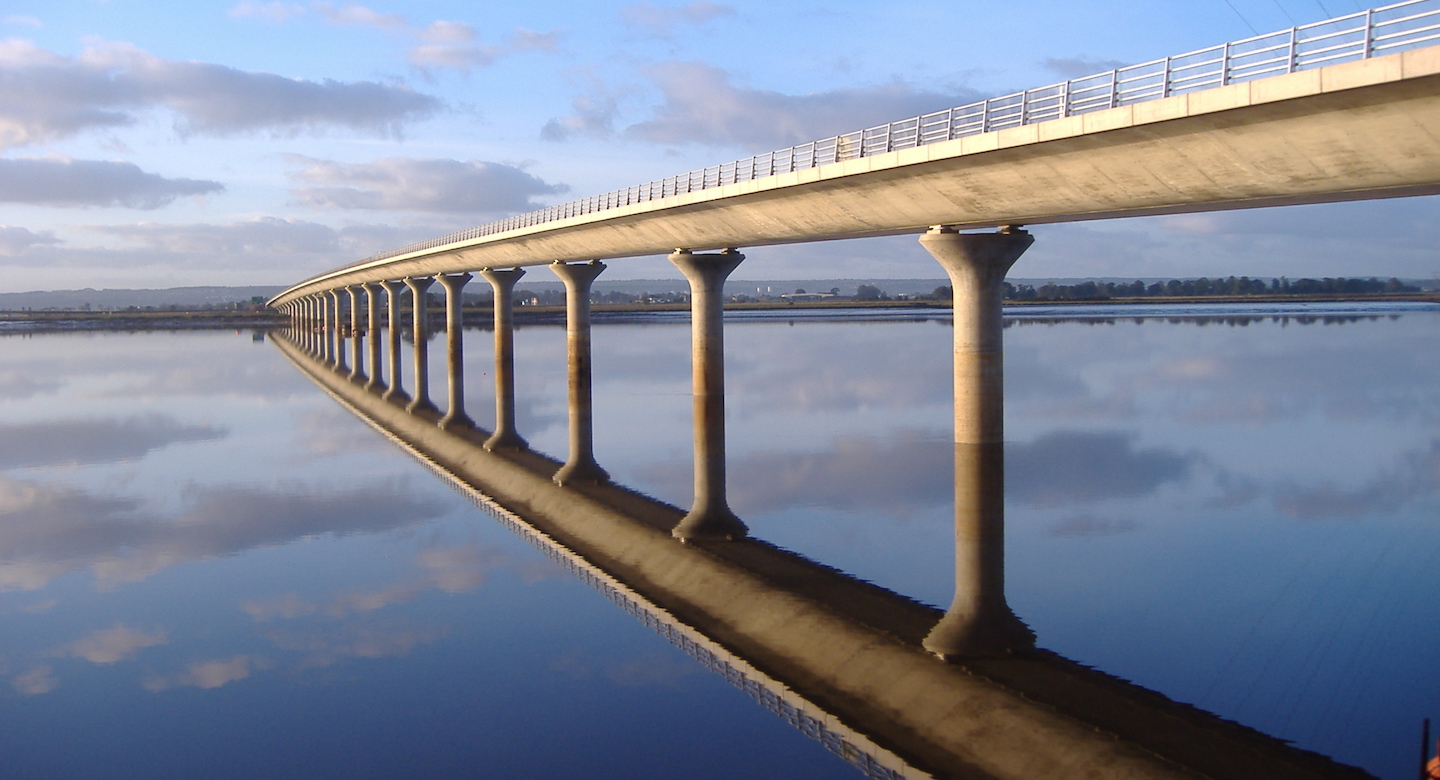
<point x="581" y="472"/>
<point x="374" y="384"/>
<point x="710" y="523"/>
<point x="455" y="422"/>
<point x="505" y="440"/>
<point x="957" y="637"/>
<point x="397" y="395"/>
<point x="359" y="378"/>
<point x="421" y="405"/>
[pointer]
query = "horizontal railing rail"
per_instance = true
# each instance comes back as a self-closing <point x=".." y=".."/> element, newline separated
<point x="1385" y="30"/>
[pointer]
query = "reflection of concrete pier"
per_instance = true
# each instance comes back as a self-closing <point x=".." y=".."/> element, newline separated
<point x="837" y="649"/>
<point x="978" y="621"/>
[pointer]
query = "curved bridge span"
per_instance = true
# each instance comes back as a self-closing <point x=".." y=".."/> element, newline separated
<point x="1369" y="128"/>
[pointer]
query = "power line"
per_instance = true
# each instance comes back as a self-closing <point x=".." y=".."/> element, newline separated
<point x="1243" y="19"/>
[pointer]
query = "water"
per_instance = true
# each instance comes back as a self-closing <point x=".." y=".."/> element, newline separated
<point x="211" y="569"/>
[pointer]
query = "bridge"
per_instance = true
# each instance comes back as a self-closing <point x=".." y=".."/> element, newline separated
<point x="1340" y="110"/>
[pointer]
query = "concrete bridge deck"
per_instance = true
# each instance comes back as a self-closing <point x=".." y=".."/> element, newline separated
<point x="1365" y="129"/>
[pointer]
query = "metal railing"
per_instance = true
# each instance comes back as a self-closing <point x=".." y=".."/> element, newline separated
<point x="1385" y="30"/>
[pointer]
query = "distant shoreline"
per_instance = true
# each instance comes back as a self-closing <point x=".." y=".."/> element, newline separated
<point x="21" y="322"/>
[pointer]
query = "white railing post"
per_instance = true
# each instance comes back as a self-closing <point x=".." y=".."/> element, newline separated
<point x="1225" y="66"/>
<point x="1294" y="49"/>
<point x="1369" y="30"/>
<point x="1114" y="88"/>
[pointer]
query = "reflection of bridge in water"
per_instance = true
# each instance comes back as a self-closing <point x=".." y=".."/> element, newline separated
<point x="1345" y="109"/>
<point x="848" y="663"/>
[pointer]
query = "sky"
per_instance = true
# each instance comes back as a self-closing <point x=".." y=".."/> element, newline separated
<point x="235" y="143"/>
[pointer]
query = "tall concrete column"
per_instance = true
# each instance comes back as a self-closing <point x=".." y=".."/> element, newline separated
<point x="710" y="517"/>
<point x="420" y="330"/>
<point x="455" y="416"/>
<point x="327" y="351"/>
<point x="581" y="467"/>
<point x="372" y="327"/>
<point x="979" y="621"/>
<point x="394" y="389"/>
<point x="357" y="333"/>
<point x="338" y="332"/>
<point x="502" y="283"/>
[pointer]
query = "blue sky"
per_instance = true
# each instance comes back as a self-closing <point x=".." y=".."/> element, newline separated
<point x="157" y="144"/>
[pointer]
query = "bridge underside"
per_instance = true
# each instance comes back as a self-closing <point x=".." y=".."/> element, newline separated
<point x="1363" y="130"/>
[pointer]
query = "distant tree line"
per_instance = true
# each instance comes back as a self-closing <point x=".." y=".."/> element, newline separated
<point x="1244" y="285"/>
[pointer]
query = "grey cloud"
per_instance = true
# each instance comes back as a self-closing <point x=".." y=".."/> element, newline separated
<point x="662" y="20"/>
<point x="1416" y="476"/>
<point x="262" y="235"/>
<point x="1069" y="467"/>
<point x="914" y="470"/>
<point x="702" y="106"/>
<point x="71" y="442"/>
<point x="61" y="181"/>
<point x="408" y="184"/>
<point x="49" y="96"/>
<point x="46" y="531"/>
<point x="1085" y="526"/>
<point x="1076" y="67"/>
<point x="15" y="240"/>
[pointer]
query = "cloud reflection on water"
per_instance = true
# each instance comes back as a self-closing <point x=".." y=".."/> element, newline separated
<point x="48" y="530"/>
<point x="90" y="441"/>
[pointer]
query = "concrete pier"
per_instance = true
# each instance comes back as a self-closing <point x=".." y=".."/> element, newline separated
<point x="710" y="516"/>
<point x="327" y="343"/>
<point x="502" y="282"/>
<point x="581" y="466"/>
<point x="372" y="326"/>
<point x="395" y="388"/>
<point x="420" y="332"/>
<point x="979" y="621"/>
<point x="455" y="416"/>
<point x="357" y="334"/>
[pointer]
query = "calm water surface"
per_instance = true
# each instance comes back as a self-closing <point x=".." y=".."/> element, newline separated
<point x="208" y="568"/>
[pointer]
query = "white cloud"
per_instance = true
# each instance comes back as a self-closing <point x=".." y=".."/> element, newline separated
<point x="662" y="20"/>
<point x="112" y="645"/>
<point x="63" y="181"/>
<point x="353" y="14"/>
<point x="207" y="674"/>
<point x="270" y="12"/>
<point x="285" y="607"/>
<point x="50" y="96"/>
<point x="15" y="240"/>
<point x="451" y="45"/>
<point x="702" y="106"/>
<point x="409" y="184"/>
<point x="22" y="21"/>
<point x="529" y="40"/>
<point x="35" y="682"/>
<point x="594" y="112"/>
